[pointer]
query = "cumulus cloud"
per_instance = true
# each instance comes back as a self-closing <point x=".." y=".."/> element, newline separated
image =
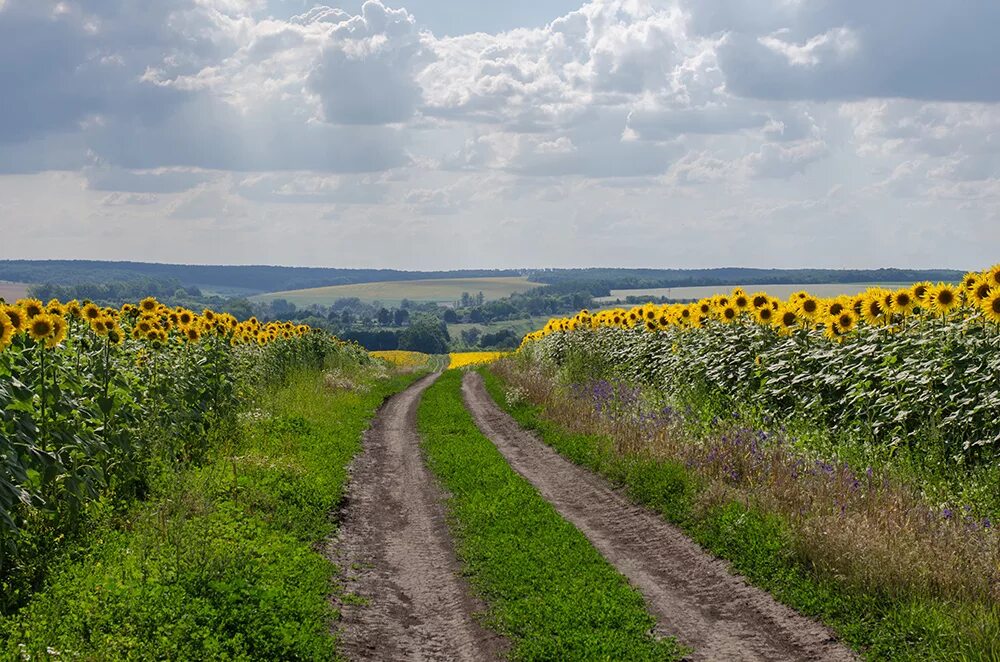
<point x="855" y="49"/>
<point x="627" y="122"/>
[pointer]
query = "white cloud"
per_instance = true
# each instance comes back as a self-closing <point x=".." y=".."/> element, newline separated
<point x="626" y="127"/>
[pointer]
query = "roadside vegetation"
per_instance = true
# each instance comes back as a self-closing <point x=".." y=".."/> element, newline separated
<point x="840" y="452"/>
<point x="223" y="560"/>
<point x="166" y="479"/>
<point x="862" y="556"/>
<point x="548" y="590"/>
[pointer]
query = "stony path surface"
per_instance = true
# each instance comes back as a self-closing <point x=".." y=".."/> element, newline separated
<point x="693" y="595"/>
<point x="397" y="553"/>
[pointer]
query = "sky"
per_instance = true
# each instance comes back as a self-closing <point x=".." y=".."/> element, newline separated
<point x="440" y="134"/>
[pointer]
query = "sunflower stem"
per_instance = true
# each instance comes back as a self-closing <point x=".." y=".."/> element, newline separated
<point x="44" y="427"/>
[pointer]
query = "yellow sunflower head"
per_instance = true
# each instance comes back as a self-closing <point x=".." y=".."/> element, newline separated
<point x="31" y="307"/>
<point x="149" y="305"/>
<point x="788" y="319"/>
<point x="873" y="311"/>
<point x="101" y="325"/>
<point x="845" y="321"/>
<point x="944" y="298"/>
<point x="921" y="291"/>
<point x="991" y="306"/>
<point x="59" y="329"/>
<point x="6" y="330"/>
<point x="91" y="312"/>
<point x="981" y="292"/>
<point x="15" y="316"/>
<point x="903" y="302"/>
<point x="760" y="300"/>
<point x="809" y="306"/>
<point x="40" y="327"/>
<point x="993" y="276"/>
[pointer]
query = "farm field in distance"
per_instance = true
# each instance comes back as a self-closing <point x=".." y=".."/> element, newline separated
<point x="391" y="293"/>
<point x="12" y="291"/>
<point x="780" y="291"/>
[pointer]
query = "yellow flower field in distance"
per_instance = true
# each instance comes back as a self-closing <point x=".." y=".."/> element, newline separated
<point x="403" y="359"/>
<point x="462" y="359"/>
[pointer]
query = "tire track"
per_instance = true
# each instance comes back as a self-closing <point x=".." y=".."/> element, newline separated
<point x="692" y="594"/>
<point x="396" y="552"/>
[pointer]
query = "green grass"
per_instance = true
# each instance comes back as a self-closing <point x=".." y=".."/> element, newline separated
<point x="758" y="545"/>
<point x="222" y="562"/>
<point x="391" y="293"/>
<point x="548" y="590"/>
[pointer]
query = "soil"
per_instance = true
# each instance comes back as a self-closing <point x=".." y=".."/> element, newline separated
<point x="693" y="595"/>
<point x="396" y="554"/>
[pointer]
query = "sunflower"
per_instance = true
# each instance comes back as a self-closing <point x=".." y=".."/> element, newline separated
<point x="144" y="326"/>
<point x="6" y="330"/>
<point x="149" y="305"/>
<point x="100" y="326"/>
<point x="809" y="306"/>
<point x="835" y="307"/>
<point x="59" y="329"/>
<point x="728" y="314"/>
<point x="991" y="306"/>
<point x="760" y="300"/>
<point x="765" y="315"/>
<point x="208" y="314"/>
<point x="192" y="334"/>
<point x="740" y="299"/>
<point x="857" y="304"/>
<point x="15" y="316"/>
<point x="921" y="291"/>
<point x="91" y="312"/>
<point x="40" y="327"/>
<point x="888" y="300"/>
<point x="944" y="298"/>
<point x="845" y="321"/>
<point x="55" y="308"/>
<point x="981" y="292"/>
<point x="31" y="307"/>
<point x="834" y="333"/>
<point x="903" y="302"/>
<point x="873" y="311"/>
<point x="73" y="309"/>
<point x="993" y="276"/>
<point x="787" y="319"/>
<point x="970" y="280"/>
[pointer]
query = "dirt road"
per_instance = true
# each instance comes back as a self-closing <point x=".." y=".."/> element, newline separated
<point x="693" y="595"/>
<point x="396" y="552"/>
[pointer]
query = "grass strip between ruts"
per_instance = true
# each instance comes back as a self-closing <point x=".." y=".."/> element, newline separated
<point x="758" y="546"/>
<point x="548" y="590"/>
<point x="223" y="562"/>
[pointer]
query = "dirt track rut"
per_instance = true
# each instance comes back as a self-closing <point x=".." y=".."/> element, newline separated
<point x="692" y="594"/>
<point x="397" y="554"/>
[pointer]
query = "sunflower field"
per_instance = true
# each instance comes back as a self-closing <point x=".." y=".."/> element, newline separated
<point x="895" y="366"/>
<point x="463" y="359"/>
<point x="92" y="399"/>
